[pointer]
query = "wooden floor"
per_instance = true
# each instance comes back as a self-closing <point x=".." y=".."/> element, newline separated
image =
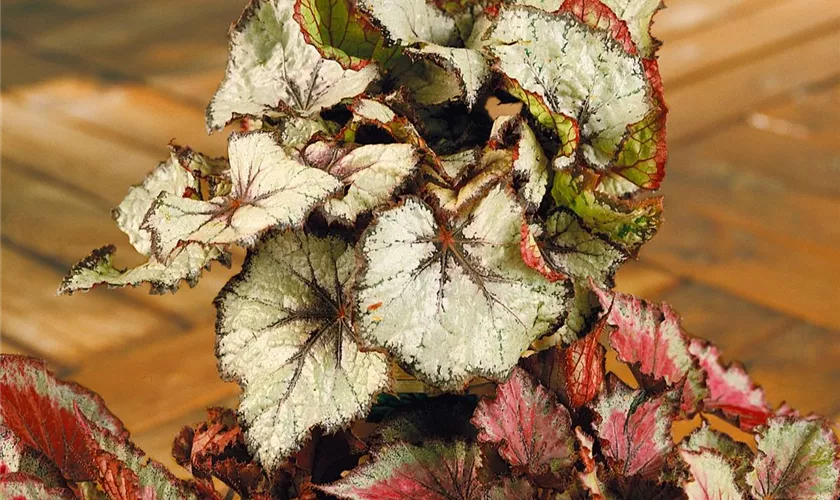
<point x="93" y="90"/>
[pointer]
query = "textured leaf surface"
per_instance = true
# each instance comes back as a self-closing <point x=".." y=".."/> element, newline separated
<point x="512" y="489"/>
<point x="583" y="366"/>
<point x="589" y="475"/>
<point x="647" y="334"/>
<point x="126" y="472"/>
<point x="797" y="460"/>
<point x="340" y="32"/>
<point x="371" y="174"/>
<point x="168" y="177"/>
<point x="628" y="224"/>
<point x="272" y="68"/>
<point x="269" y="189"/>
<point x="571" y="248"/>
<point x="577" y="71"/>
<point x="285" y="334"/>
<point x="434" y="471"/>
<point x="21" y="486"/>
<point x="39" y="410"/>
<point x="469" y="65"/>
<point x="17" y="457"/>
<point x="455" y="197"/>
<point x="731" y="392"/>
<point x="187" y="264"/>
<point x="559" y="125"/>
<point x="712" y="477"/>
<point x="638" y="14"/>
<point x="635" y="430"/>
<point x="532" y="430"/>
<point x="530" y="164"/>
<point x="454" y="301"/>
<point x="706" y="438"/>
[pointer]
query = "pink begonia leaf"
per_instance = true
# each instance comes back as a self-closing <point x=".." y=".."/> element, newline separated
<point x="649" y="337"/>
<point x="711" y="476"/>
<point x="546" y="367"/>
<point x="731" y="392"/>
<point x="39" y="410"/>
<point x="797" y="459"/>
<point x="533" y="257"/>
<point x="434" y="471"/>
<point x="583" y="364"/>
<point x="635" y="430"/>
<point x="737" y="454"/>
<point x="532" y="430"/>
<point x="647" y="334"/>
<point x="22" y="486"/>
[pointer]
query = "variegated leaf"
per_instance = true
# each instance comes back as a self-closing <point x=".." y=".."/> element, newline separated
<point x="533" y="431"/>
<point x="433" y="471"/>
<point x="712" y="477"/>
<point x="638" y="14"/>
<point x="454" y="300"/>
<point x="272" y="68"/>
<point x="187" y="264"/>
<point x="797" y="459"/>
<point x="269" y="189"/>
<point x="22" y="486"/>
<point x="453" y="198"/>
<point x="340" y="32"/>
<point x="530" y="164"/>
<point x="628" y="224"/>
<point x="371" y="175"/>
<point x="285" y="332"/>
<point x="635" y="429"/>
<point x="577" y="71"/>
<point x="731" y="392"/>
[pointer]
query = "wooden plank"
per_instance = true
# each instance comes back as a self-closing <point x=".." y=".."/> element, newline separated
<point x="160" y="381"/>
<point x="680" y="18"/>
<point x="20" y="68"/>
<point x="756" y="264"/>
<point x="196" y="87"/>
<point x="130" y="113"/>
<point x="69" y="332"/>
<point x="811" y="118"/>
<point x="799" y="365"/>
<point x="732" y="323"/>
<point x="706" y="102"/>
<point x="706" y="179"/>
<point x="642" y="280"/>
<point x="65" y="226"/>
<point x="65" y="152"/>
<point x="713" y="49"/>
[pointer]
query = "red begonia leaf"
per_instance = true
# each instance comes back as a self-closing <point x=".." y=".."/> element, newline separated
<point x="39" y="410"/>
<point x="547" y="368"/>
<point x="22" y="486"/>
<point x="731" y="392"/>
<point x="532" y="430"/>
<point x="434" y="471"/>
<point x="583" y="364"/>
<point x="635" y="430"/>
<point x="797" y="459"/>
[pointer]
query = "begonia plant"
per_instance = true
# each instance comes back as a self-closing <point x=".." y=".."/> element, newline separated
<point x="396" y="221"/>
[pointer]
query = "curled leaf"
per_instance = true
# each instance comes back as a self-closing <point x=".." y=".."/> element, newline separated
<point x="272" y="69"/>
<point x="269" y="189"/>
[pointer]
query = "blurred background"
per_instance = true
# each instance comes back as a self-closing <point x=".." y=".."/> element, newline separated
<point x="93" y="90"/>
